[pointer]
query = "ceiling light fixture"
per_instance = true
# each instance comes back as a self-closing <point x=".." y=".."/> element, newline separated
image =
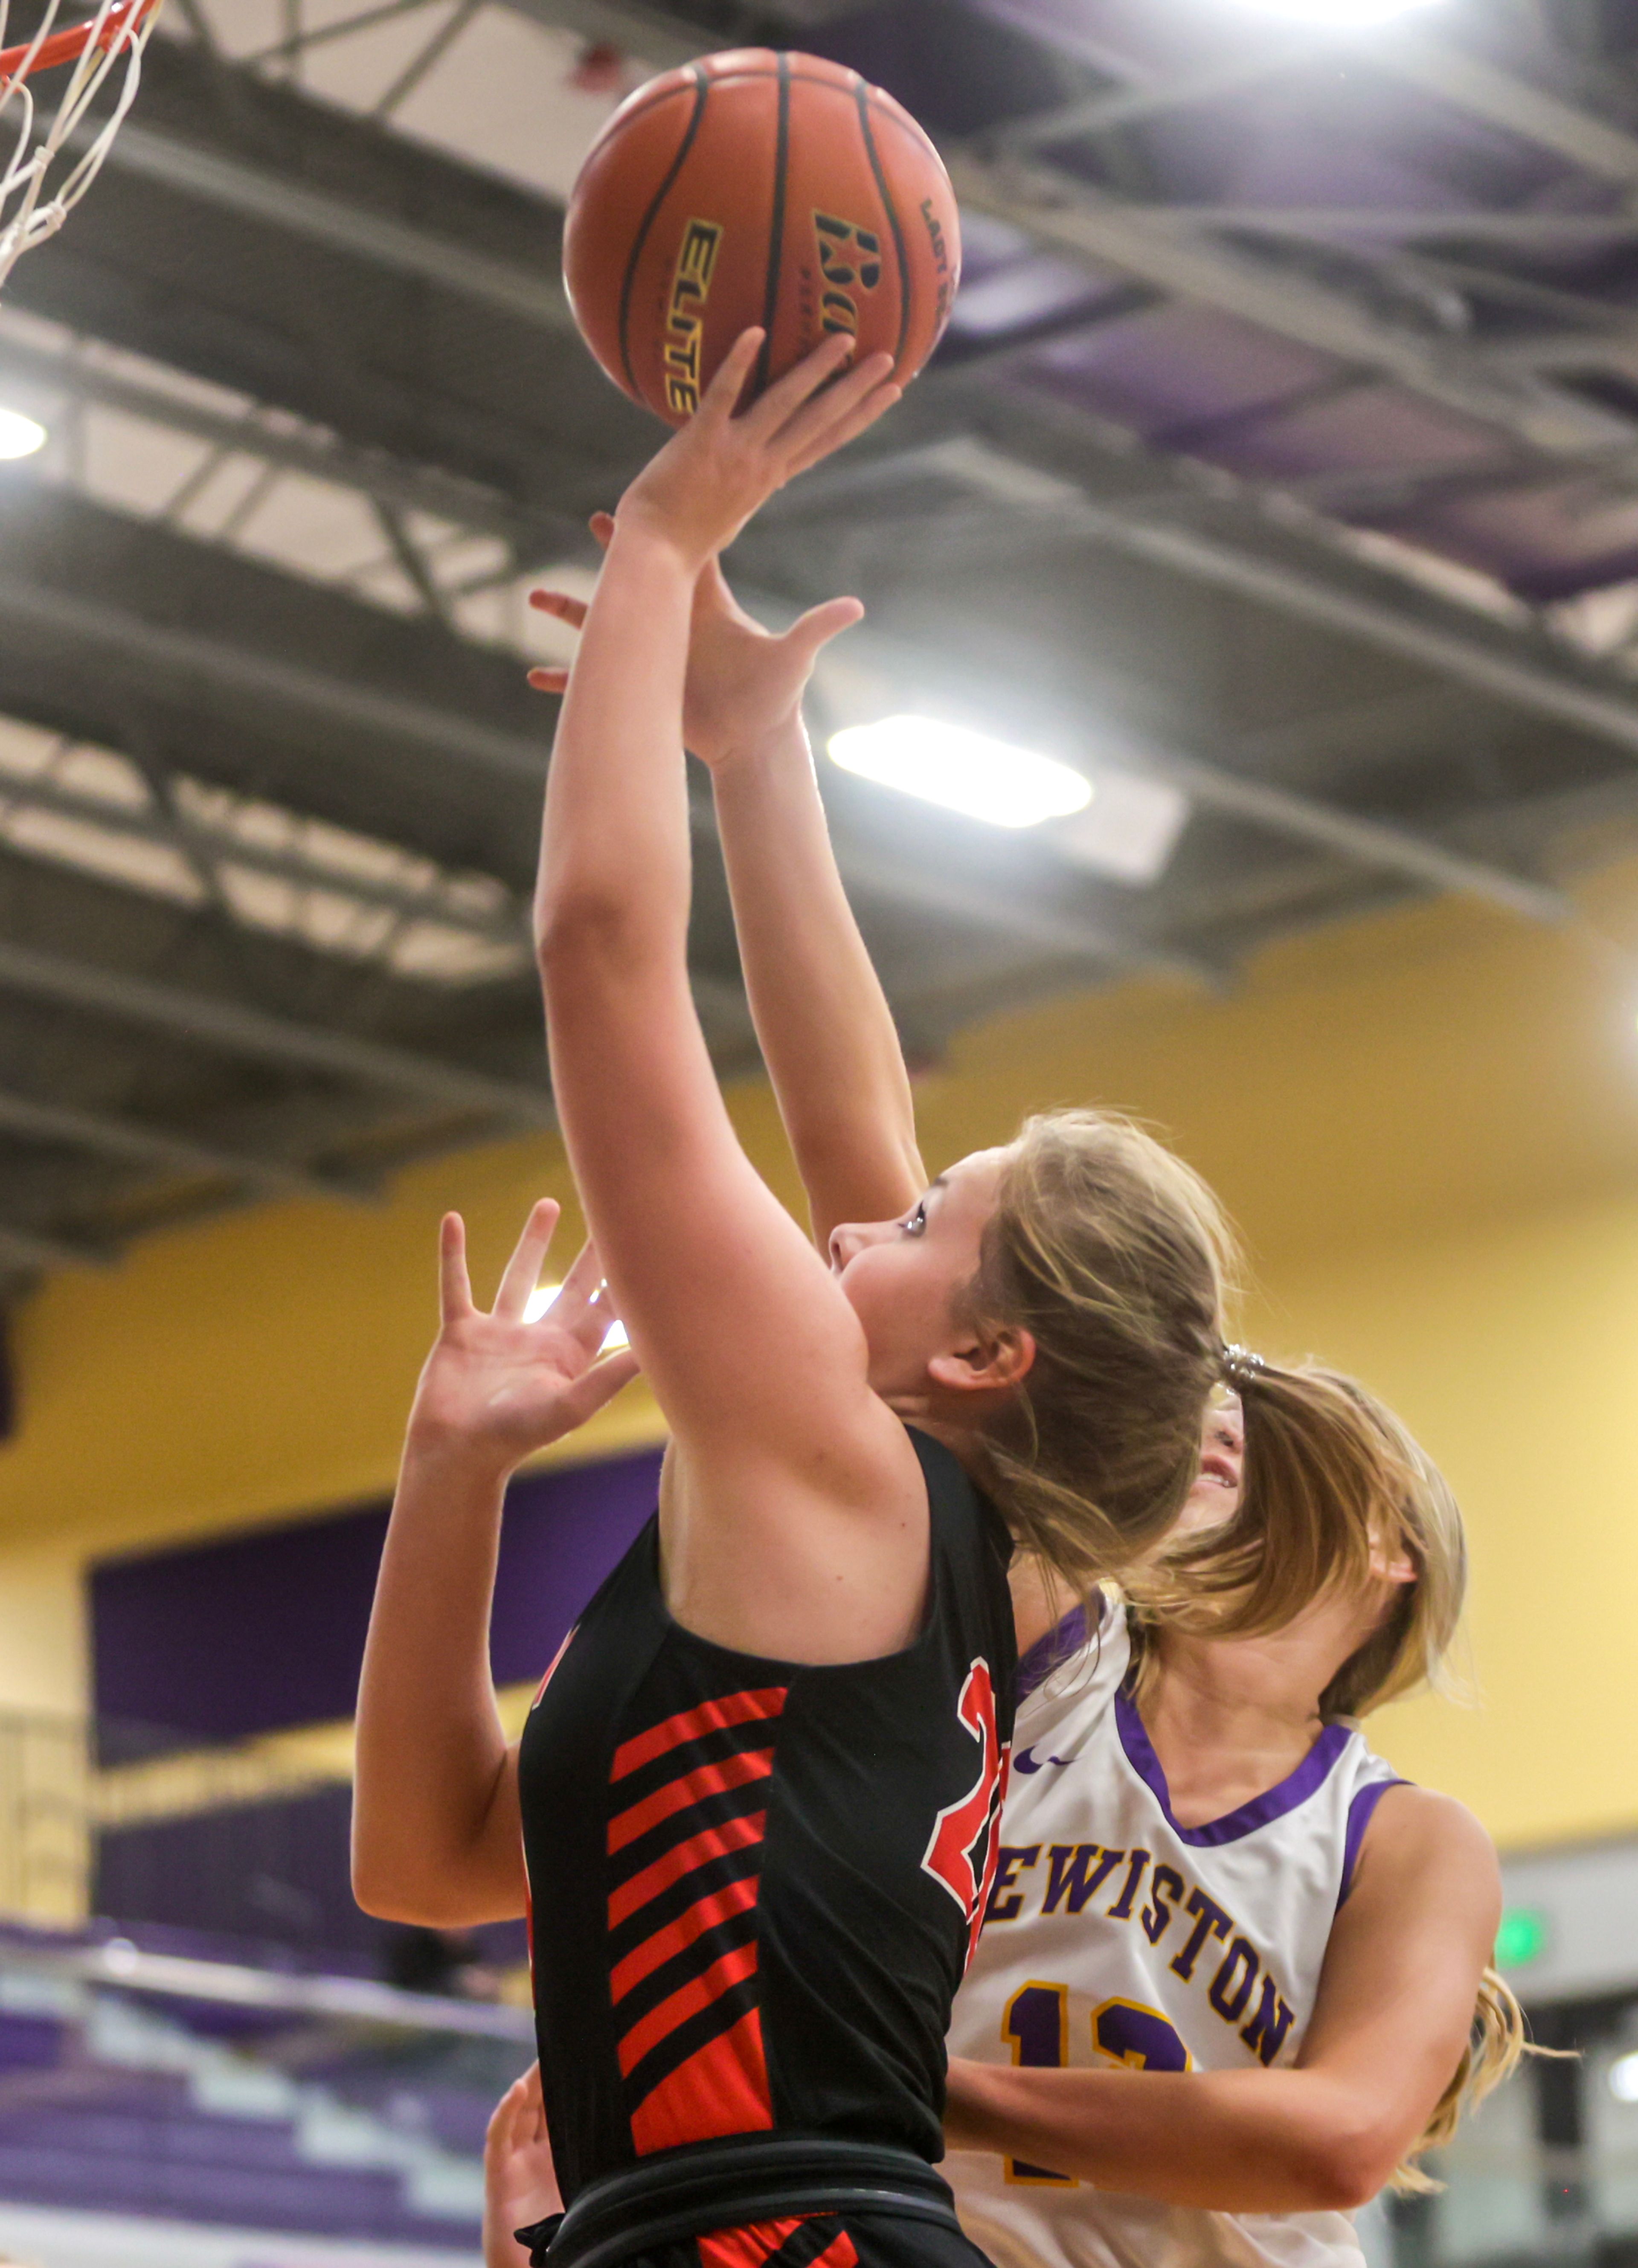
<point x="1339" y="15"/>
<point x="963" y="771"/>
<point x="542" y="1296"/>
<point x="1624" y="2078"/>
<point x="19" y="436"/>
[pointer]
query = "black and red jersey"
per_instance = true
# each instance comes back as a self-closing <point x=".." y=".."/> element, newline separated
<point x="754" y="1884"/>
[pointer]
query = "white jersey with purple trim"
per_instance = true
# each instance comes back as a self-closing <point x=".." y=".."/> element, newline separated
<point x="1113" y="1935"/>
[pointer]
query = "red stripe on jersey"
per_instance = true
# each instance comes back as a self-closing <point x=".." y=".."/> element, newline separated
<point x="689" y="1788"/>
<point x="691" y="1723"/>
<point x="686" y="2001"/>
<point x="841" y="2252"/>
<point x="746" y="2247"/>
<point x="688" y="1928"/>
<point x="722" y="2089"/>
<point x="698" y="1850"/>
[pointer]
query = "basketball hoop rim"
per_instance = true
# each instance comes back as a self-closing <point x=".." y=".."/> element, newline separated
<point x="119" y="24"/>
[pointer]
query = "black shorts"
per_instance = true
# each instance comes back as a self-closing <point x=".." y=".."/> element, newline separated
<point x="824" y="2239"/>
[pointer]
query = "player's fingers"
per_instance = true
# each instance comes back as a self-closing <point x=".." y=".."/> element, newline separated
<point x="835" y="436"/>
<point x="550" y="681"/>
<point x="561" y="605"/>
<point x="774" y="409"/>
<point x="584" y="1276"/>
<point x="454" y="1287"/>
<point x="582" y="1308"/>
<point x="523" y="1270"/>
<point x="598" y="1385"/>
<point x="721" y="397"/>
<point x="602" y="527"/>
<point x="835" y="406"/>
<point x="820" y="624"/>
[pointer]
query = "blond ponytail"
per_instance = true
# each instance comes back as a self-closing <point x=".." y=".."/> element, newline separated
<point x="1331" y="1475"/>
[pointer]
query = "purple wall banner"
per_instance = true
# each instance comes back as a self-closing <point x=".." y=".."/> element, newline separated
<point x="255" y="1632"/>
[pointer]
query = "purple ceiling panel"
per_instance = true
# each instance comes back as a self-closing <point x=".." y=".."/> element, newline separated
<point x="1176" y="367"/>
<point x="1369" y="429"/>
<point x="1544" y="543"/>
<point x="1027" y="292"/>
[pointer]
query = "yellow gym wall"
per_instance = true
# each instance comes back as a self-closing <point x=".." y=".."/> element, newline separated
<point x="1425" y="1125"/>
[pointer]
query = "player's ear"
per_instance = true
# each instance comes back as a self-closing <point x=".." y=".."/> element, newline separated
<point x="994" y="1360"/>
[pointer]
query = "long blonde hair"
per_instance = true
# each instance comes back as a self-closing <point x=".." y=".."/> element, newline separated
<point x="1331" y="1475"/>
<point x="1113" y="1255"/>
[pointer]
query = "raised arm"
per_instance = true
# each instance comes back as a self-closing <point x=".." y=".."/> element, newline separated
<point x="1389" y="2027"/>
<point x="826" y="1031"/>
<point x="754" y="1354"/>
<point x="436" y="1836"/>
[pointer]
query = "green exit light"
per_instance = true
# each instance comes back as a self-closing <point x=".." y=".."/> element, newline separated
<point x="1522" y="1938"/>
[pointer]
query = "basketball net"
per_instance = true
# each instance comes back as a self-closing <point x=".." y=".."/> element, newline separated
<point x="52" y="150"/>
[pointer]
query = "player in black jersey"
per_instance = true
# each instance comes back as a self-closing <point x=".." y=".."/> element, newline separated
<point x="758" y="1795"/>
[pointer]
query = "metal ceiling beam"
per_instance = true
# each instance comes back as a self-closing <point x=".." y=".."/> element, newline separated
<point x="1057" y="211"/>
<point x="302" y="449"/>
<point x="1484" y="90"/>
<point x="229" y="1027"/>
<point x="152" y="651"/>
<point x="506" y="925"/>
<point x="1406" y="225"/>
<point x="1129" y="106"/>
<point x="340" y="224"/>
<point x="658" y="38"/>
<point x="114" y="1137"/>
<point x="1534" y="683"/>
<point x="1298" y="817"/>
<point x="957" y="899"/>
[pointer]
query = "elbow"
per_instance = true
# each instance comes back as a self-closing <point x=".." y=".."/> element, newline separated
<point x="376" y="1893"/>
<point x="389" y="1892"/>
<point x="580" y="927"/>
<point x="1346" y="2169"/>
<point x="413" y="1905"/>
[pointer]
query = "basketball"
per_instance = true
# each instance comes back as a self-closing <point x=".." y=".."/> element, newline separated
<point x="756" y="188"/>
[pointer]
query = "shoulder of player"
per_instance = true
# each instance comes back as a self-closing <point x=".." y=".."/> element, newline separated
<point x="1415" y="1832"/>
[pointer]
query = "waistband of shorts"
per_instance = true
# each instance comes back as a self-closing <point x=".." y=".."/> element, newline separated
<point x="704" y="2186"/>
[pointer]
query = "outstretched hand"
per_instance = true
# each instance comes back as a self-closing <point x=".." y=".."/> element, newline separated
<point x="498" y="1382"/>
<point x="745" y="684"/>
<point x="520" y="2181"/>
<point x="726" y="463"/>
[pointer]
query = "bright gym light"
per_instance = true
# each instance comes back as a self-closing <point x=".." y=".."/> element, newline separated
<point x="1341" y="15"/>
<point x="19" y="436"/>
<point x="1624" y="2078"/>
<point x="963" y="771"/>
<point x="541" y="1298"/>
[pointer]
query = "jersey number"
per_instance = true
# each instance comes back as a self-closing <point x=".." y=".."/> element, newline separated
<point x="1035" y="2027"/>
<point x="965" y="1841"/>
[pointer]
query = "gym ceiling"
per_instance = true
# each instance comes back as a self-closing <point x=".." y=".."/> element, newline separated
<point x="1280" y="469"/>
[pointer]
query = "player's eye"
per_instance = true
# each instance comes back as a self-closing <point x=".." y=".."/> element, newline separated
<point x="917" y="1220"/>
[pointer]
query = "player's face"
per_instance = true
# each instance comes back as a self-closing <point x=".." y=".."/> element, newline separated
<point x="904" y="1278"/>
<point x="1216" y="1491"/>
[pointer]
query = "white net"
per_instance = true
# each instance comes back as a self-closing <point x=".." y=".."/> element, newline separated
<point x="64" y="95"/>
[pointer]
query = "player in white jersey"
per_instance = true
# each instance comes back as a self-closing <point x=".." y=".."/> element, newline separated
<point x="1255" y="1923"/>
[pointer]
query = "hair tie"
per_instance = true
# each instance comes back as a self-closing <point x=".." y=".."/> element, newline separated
<point x="1239" y="1366"/>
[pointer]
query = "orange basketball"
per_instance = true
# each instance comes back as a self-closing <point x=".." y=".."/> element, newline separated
<point x="756" y="188"/>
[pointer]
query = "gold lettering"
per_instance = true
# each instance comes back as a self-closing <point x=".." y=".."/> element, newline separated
<point x="690" y="286"/>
